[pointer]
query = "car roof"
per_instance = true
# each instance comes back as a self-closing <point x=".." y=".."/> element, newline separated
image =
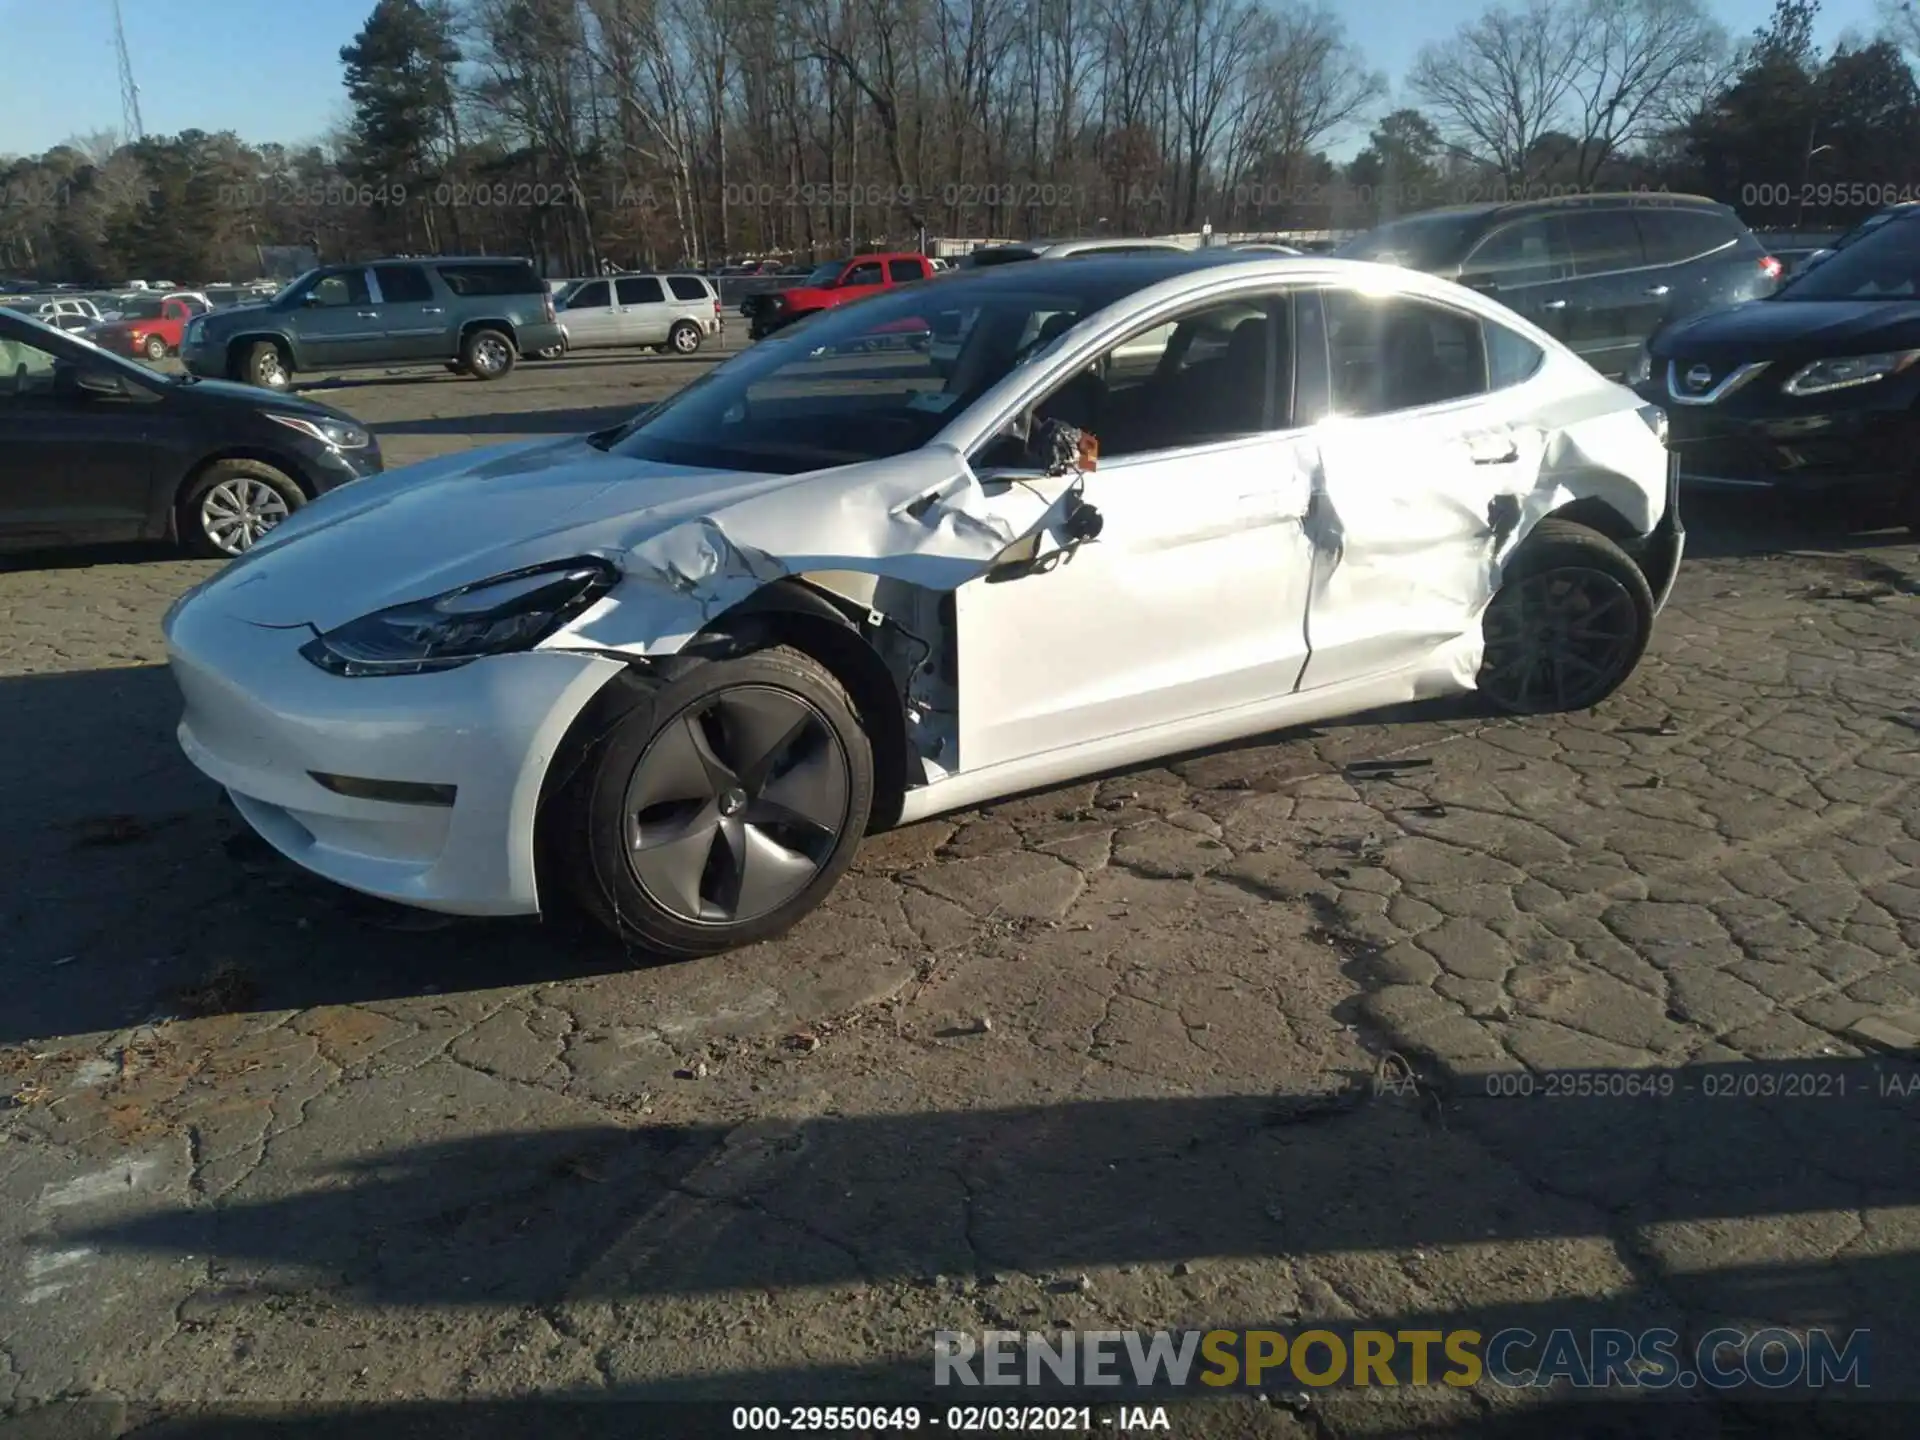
<point x="1598" y="199"/>
<point x="1142" y="268"/>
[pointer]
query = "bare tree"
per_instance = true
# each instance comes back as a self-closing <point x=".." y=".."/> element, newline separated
<point x="1643" y="65"/>
<point x="1503" y="82"/>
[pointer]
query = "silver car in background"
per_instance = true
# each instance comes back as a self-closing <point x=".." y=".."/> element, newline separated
<point x="672" y="313"/>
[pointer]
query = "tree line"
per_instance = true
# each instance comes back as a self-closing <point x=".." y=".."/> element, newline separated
<point x="646" y="132"/>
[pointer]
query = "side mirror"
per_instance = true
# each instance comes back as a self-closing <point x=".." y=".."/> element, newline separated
<point x="1083" y="523"/>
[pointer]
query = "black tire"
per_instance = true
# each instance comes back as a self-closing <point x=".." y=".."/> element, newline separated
<point x="594" y="830"/>
<point x="684" y="338"/>
<point x="456" y="367"/>
<point x="1564" y="572"/>
<point x="248" y="491"/>
<point x="266" y="365"/>
<point x="488" y="354"/>
<point x="155" y="348"/>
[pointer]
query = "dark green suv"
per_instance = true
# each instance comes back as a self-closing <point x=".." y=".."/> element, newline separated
<point x="477" y="316"/>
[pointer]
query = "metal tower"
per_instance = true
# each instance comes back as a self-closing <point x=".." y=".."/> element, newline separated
<point x="129" y="92"/>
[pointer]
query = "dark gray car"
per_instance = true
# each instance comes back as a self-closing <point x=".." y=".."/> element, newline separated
<point x="475" y="316"/>
<point x="1600" y="273"/>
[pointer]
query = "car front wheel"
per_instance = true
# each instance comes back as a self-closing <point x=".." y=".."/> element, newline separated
<point x="155" y="348"/>
<point x="233" y="503"/>
<point x="1569" y="623"/>
<point x="264" y="365"/>
<point x="722" y="813"/>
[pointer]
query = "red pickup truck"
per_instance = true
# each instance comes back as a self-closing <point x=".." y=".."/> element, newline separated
<point x="148" y="328"/>
<point x="834" y="283"/>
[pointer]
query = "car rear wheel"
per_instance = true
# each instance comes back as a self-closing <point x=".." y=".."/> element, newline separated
<point x="266" y="366"/>
<point x="487" y="355"/>
<point x="233" y="503"/>
<point x="684" y="337"/>
<point x="1569" y="623"/>
<point x="155" y="348"/>
<point x="722" y="813"/>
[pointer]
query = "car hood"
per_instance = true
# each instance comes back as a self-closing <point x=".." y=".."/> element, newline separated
<point x="690" y="541"/>
<point x="1785" y="329"/>
<point x="252" y="397"/>
<point x="247" y="307"/>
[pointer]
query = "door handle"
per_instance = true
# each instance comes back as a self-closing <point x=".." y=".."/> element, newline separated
<point x="1554" y="305"/>
<point x="432" y="310"/>
<point x="368" y="314"/>
<point x="1656" y="290"/>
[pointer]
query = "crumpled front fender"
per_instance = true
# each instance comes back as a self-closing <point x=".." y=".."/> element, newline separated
<point x="923" y="519"/>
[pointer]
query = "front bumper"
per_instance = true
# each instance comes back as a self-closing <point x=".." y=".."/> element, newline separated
<point x="329" y="468"/>
<point x="1862" y="461"/>
<point x="260" y="721"/>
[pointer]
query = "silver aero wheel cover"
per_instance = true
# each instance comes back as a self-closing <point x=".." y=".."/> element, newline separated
<point x="1560" y="639"/>
<point x="489" y="355"/>
<point x="736" y="804"/>
<point x="237" y="512"/>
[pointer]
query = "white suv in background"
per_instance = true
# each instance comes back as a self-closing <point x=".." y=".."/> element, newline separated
<point x="671" y="313"/>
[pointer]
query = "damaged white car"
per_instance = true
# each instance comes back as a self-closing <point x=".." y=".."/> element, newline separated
<point x="672" y="672"/>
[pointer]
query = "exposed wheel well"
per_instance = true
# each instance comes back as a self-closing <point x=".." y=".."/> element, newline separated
<point x="505" y="327"/>
<point x="791" y="612"/>
<point x="1596" y="514"/>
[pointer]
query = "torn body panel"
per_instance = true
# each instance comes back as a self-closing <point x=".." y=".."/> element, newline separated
<point x="1413" y="519"/>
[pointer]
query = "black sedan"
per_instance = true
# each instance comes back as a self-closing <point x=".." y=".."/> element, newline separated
<point x="96" y="448"/>
<point x="1812" y="393"/>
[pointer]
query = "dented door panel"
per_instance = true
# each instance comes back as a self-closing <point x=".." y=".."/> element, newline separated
<point x="1191" y="600"/>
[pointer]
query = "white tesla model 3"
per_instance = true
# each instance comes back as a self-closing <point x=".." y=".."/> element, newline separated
<point x="672" y="672"/>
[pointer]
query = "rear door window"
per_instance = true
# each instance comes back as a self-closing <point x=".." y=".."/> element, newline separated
<point x="688" y="287"/>
<point x="903" y="272"/>
<point x="491" y="278"/>
<point x="1527" y="252"/>
<point x="639" y="290"/>
<point x="403" y="284"/>
<point x="1605" y="241"/>
<point x="1675" y="236"/>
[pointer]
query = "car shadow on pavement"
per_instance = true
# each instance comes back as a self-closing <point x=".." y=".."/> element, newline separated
<point x="81" y="557"/>
<point x="990" y="1218"/>
<point x="138" y="894"/>
<point x="1737" y="527"/>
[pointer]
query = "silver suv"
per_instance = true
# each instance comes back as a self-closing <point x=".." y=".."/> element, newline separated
<point x="671" y="313"/>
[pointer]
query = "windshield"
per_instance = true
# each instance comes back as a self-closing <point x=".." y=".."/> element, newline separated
<point x="861" y="382"/>
<point x="287" y="290"/>
<point x="825" y="274"/>
<point x="50" y="353"/>
<point x="1881" y="264"/>
<point x="1420" y="242"/>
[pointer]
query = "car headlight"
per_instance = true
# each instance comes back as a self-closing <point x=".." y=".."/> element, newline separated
<point x="1847" y="371"/>
<point x="490" y="617"/>
<point x="337" y="433"/>
<point x="1641" y="370"/>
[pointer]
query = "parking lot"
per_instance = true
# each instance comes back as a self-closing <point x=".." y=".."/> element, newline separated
<point x="1235" y="1040"/>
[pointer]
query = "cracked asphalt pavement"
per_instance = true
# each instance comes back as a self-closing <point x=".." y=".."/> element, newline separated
<point x="1327" y="1026"/>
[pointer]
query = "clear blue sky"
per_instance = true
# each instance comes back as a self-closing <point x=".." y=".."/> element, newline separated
<point x="270" y="69"/>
